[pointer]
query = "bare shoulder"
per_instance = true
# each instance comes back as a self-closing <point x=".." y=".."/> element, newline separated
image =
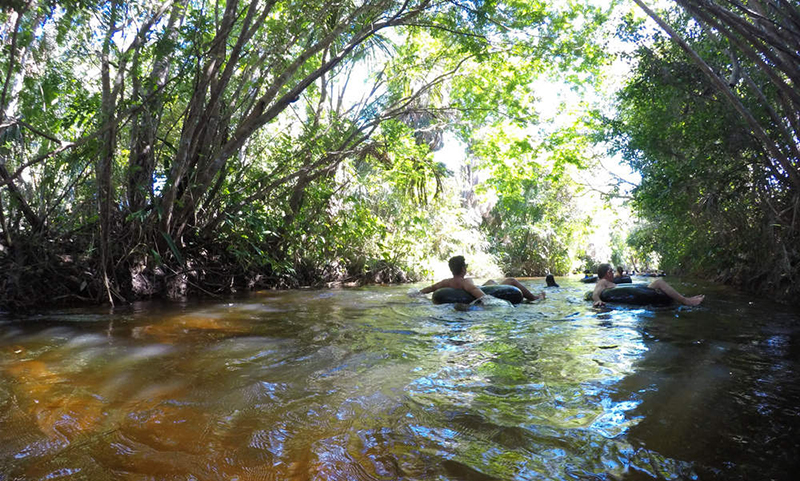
<point x="453" y="282"/>
<point x="605" y="284"/>
<point x="467" y="283"/>
<point x="456" y="283"/>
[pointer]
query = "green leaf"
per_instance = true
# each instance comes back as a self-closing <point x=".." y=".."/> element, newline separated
<point x="173" y="247"/>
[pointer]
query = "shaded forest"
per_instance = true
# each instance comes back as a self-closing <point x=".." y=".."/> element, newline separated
<point x="710" y="119"/>
<point x="200" y="148"/>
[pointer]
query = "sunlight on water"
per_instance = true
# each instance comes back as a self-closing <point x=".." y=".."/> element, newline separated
<point x="367" y="384"/>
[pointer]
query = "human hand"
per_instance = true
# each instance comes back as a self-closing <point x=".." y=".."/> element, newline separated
<point x="599" y="304"/>
<point x="479" y="301"/>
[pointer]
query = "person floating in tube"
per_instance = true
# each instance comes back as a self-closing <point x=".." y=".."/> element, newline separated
<point x="458" y="266"/>
<point x="605" y="280"/>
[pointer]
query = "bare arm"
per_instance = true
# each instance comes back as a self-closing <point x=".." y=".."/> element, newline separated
<point x="433" y="287"/>
<point x="602" y="285"/>
<point x="470" y="287"/>
<point x="456" y="283"/>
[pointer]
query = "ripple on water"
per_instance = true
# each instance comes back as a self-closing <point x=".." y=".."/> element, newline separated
<point x="262" y="394"/>
<point x="475" y="446"/>
<point x="334" y="461"/>
<point x="272" y="440"/>
<point x="367" y="384"/>
<point x="86" y="340"/>
<point x="146" y="353"/>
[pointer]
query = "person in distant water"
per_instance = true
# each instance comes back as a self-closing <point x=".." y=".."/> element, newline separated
<point x="621" y="277"/>
<point x="458" y="266"/>
<point x="605" y="277"/>
<point x="551" y="281"/>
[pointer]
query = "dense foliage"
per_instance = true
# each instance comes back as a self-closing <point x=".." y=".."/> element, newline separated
<point x="534" y="224"/>
<point x="164" y="148"/>
<point x="169" y="148"/>
<point x="710" y="119"/>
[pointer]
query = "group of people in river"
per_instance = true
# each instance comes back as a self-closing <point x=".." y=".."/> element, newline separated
<point x="605" y="280"/>
<point x="458" y="266"/>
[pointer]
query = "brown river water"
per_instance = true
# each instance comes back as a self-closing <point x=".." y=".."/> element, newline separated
<point x="370" y="384"/>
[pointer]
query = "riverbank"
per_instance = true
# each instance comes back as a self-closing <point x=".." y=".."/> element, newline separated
<point x="33" y="277"/>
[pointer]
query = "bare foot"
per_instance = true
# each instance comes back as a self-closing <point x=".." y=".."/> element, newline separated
<point x="542" y="295"/>
<point x="694" y="301"/>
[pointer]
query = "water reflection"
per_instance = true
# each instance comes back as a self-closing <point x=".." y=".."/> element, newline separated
<point x="368" y="384"/>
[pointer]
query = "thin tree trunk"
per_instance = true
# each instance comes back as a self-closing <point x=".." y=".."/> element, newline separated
<point x="772" y="49"/>
<point x="788" y="138"/>
<point x="193" y="126"/>
<point x="142" y="160"/>
<point x="753" y="56"/>
<point x="747" y="29"/>
<point x="755" y="127"/>
<point x="6" y="177"/>
<point x="3" y="223"/>
<point x="11" y="63"/>
<point x="30" y="215"/>
<point x="107" y="150"/>
<point x="269" y="106"/>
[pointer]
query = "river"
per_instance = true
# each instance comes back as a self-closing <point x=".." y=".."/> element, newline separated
<point x="370" y="384"/>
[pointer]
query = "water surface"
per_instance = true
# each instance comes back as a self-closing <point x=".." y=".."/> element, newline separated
<point x="369" y="384"/>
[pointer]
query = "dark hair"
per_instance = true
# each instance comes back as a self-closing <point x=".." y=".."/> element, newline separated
<point x="551" y="281"/>
<point x="602" y="269"/>
<point x="457" y="265"/>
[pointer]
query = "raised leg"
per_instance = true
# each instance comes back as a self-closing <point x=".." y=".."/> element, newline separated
<point x="510" y="281"/>
<point x="667" y="289"/>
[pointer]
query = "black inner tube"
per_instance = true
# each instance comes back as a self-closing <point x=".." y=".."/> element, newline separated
<point x="638" y="294"/>
<point x="448" y="295"/>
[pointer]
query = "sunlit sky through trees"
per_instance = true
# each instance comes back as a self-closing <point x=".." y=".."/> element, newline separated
<point x="559" y="103"/>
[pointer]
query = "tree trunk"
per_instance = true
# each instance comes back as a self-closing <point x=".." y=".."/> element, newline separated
<point x="144" y="130"/>
<point x="4" y="224"/>
<point x="199" y="111"/>
<point x="30" y="215"/>
<point x="769" y="145"/>
<point x="269" y="106"/>
<point x="107" y="149"/>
